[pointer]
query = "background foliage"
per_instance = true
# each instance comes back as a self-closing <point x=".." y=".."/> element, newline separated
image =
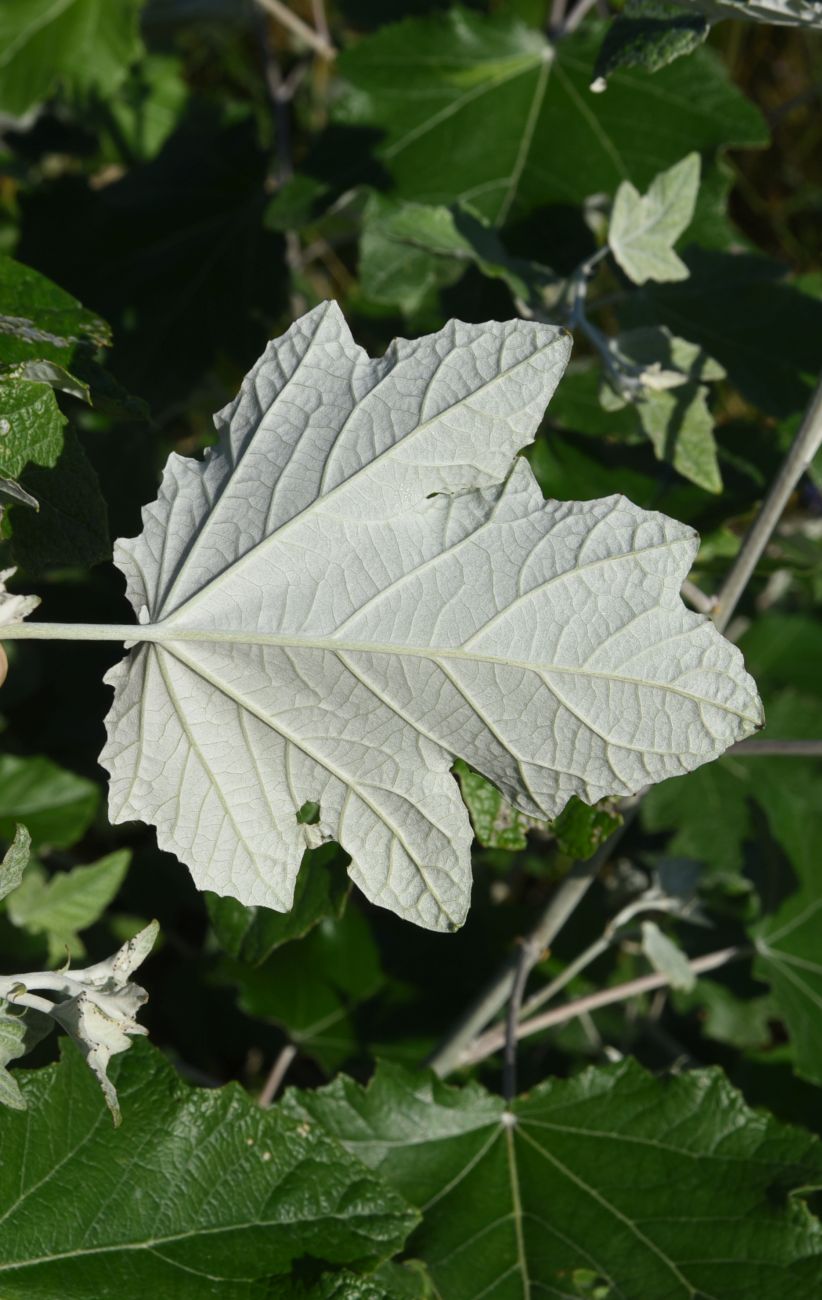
<point x="180" y="179"/>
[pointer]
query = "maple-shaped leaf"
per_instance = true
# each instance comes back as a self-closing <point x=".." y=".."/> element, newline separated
<point x="355" y="586"/>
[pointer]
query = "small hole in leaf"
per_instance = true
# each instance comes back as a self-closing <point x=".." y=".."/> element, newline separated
<point x="309" y="814"/>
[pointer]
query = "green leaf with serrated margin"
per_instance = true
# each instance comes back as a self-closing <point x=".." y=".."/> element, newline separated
<point x="668" y="1187"/>
<point x="200" y="1193"/>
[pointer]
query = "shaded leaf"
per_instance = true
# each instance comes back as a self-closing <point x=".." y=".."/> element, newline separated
<point x="252" y="933"/>
<point x="78" y="45"/>
<point x="55" y="805"/>
<point x="15" y="861"/>
<point x="650" y="34"/>
<point x="68" y="901"/>
<point x="204" y="1193"/>
<point x="471" y="107"/>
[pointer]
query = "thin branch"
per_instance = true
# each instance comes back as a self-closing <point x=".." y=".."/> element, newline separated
<point x="696" y="598"/>
<point x="528" y="957"/>
<point x="772" y="748"/>
<point x="492" y="1041"/>
<point x="318" y="43"/>
<point x="321" y="21"/>
<point x="576" y="16"/>
<point x="805" y="446"/>
<point x="276" y="1074"/>
<point x="450" y="1052"/>
<point x="558" y="8"/>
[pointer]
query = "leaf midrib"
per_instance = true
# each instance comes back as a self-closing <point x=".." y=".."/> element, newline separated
<point x="218" y="637"/>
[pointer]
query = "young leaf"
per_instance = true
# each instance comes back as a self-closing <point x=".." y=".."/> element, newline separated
<point x="348" y="593"/>
<point x="665" y="1187"/>
<point x="14" y="861"/>
<point x="649" y="34"/>
<point x="666" y="957"/>
<point x="67" y="902"/>
<point x="644" y="228"/>
<point x="200" y="1193"/>
<point x="21" y="1029"/>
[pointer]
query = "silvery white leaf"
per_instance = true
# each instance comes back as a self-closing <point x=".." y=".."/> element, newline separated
<point x="645" y="227"/>
<point x="666" y="957"/>
<point x="354" y="587"/>
<point x="782" y="13"/>
<point x="14" y="608"/>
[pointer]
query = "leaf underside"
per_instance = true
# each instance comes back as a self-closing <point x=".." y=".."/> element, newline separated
<point x="354" y="587"/>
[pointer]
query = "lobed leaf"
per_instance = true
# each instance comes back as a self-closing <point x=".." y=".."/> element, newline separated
<point x="355" y="587"/>
<point x="665" y="1188"/>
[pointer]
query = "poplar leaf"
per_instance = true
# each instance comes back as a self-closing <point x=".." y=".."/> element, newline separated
<point x="355" y="587"/>
<point x="645" y="227"/>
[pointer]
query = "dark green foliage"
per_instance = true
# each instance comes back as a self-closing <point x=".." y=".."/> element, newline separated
<point x="195" y="176"/>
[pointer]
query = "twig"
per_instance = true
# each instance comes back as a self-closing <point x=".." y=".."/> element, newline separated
<point x="576" y="16"/>
<point x="321" y="21"/>
<point x="772" y="748"/>
<point x="558" y="8"/>
<point x="319" y="43"/>
<point x="701" y="603"/>
<point x="494" y="1039"/>
<point x="276" y="1075"/>
<point x="805" y="446"/>
<point x="528" y="956"/>
<point x="496" y="993"/>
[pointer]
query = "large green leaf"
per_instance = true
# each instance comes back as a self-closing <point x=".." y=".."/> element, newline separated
<point x="199" y="1194"/>
<point x="485" y="110"/>
<point x="55" y="805"/>
<point x="60" y="905"/>
<point x="80" y="45"/>
<point x="38" y="320"/>
<point x="671" y="1189"/>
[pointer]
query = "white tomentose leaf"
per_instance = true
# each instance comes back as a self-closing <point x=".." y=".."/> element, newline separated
<point x="783" y="13"/>
<point x="644" y="227"/>
<point x="354" y="587"/>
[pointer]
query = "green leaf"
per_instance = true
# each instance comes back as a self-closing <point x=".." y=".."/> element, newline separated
<point x="15" y="861"/>
<point x="409" y="250"/>
<point x="649" y="34"/>
<point x="251" y="934"/>
<point x="661" y="1187"/>
<point x="21" y="1029"/>
<point x="742" y="310"/>
<point x="666" y="957"/>
<point x="644" y="228"/>
<point x="407" y="1281"/>
<point x="471" y="108"/>
<point x="580" y="829"/>
<point x="68" y="901"/>
<point x="681" y="429"/>
<point x="79" y="45"/>
<point x="71" y="525"/>
<point x="711" y="811"/>
<point x="497" y="824"/>
<point x="40" y="321"/>
<point x="31" y="426"/>
<point x="200" y="1193"/>
<point x="55" y="805"/>
<point x="148" y="107"/>
<point x="312" y="987"/>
